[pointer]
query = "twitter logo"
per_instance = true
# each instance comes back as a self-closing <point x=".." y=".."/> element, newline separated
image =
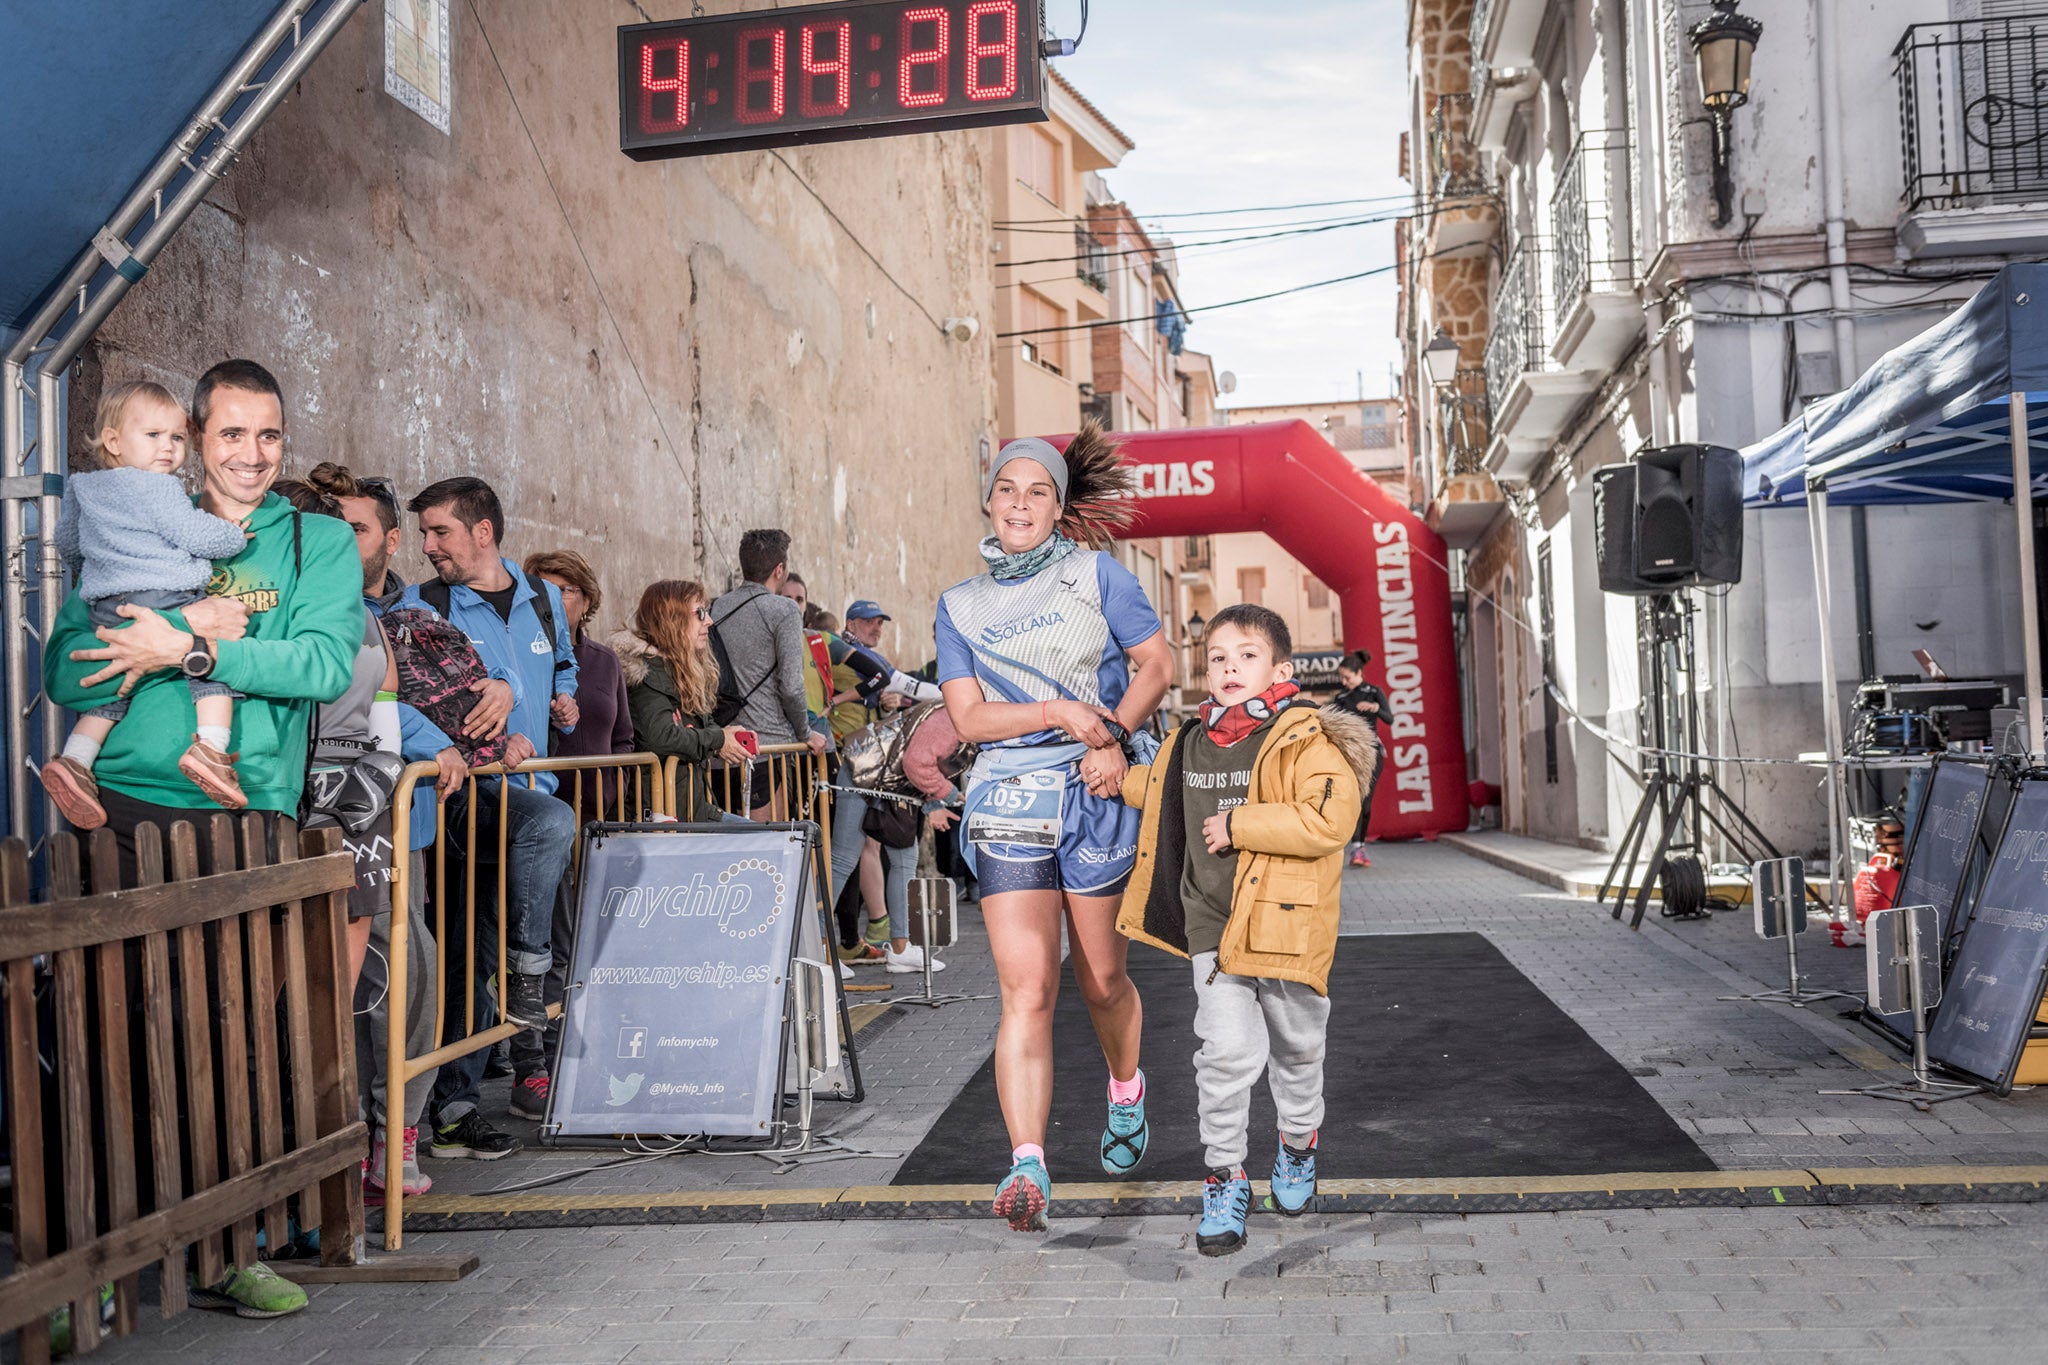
<point x="623" y="1091"/>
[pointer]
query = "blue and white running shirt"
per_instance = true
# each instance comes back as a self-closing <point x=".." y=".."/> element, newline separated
<point x="1059" y="635"/>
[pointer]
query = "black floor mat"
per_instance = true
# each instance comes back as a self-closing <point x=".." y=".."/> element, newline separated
<point x="1444" y="1061"/>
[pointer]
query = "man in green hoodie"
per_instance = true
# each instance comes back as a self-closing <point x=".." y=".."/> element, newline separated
<point x="281" y="625"/>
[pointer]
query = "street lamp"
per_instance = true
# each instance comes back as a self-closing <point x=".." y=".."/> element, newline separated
<point x="1440" y="358"/>
<point x="1722" y="45"/>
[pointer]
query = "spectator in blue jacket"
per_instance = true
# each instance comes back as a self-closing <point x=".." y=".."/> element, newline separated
<point x="521" y="632"/>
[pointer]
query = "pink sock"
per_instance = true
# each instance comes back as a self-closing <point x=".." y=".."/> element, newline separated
<point x="1127" y="1092"/>
<point x="1030" y="1149"/>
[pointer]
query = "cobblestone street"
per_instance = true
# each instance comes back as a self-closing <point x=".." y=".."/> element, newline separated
<point x="1933" y="1282"/>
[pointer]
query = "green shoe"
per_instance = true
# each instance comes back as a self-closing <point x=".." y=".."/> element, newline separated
<point x="254" y="1292"/>
<point x="60" y="1322"/>
<point x="876" y="934"/>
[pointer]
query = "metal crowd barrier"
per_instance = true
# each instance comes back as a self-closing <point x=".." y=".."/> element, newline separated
<point x="647" y="786"/>
<point x="642" y="789"/>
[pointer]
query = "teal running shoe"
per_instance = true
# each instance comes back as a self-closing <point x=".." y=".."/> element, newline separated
<point x="1025" y="1195"/>
<point x="1226" y="1203"/>
<point x="1294" y="1180"/>
<point x="1124" y="1140"/>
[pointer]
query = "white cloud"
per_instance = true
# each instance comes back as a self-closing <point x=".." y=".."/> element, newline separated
<point x="1235" y="104"/>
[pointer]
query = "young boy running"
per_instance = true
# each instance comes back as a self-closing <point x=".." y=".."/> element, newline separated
<point x="1241" y="857"/>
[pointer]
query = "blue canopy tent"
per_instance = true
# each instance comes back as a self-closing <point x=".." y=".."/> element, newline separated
<point x="1954" y="415"/>
<point x="123" y="115"/>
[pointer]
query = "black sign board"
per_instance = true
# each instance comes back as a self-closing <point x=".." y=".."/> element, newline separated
<point x="1994" y="985"/>
<point x="678" y="983"/>
<point x="1939" y="850"/>
<point x="827" y="73"/>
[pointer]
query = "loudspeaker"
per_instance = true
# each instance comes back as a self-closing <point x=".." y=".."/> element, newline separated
<point x="1688" y="516"/>
<point x="1614" y="532"/>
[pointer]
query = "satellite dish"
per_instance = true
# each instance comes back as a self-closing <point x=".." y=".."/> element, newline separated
<point x="1226" y="382"/>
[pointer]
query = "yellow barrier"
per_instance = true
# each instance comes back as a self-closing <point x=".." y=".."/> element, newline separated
<point x="642" y="788"/>
<point x="797" y="787"/>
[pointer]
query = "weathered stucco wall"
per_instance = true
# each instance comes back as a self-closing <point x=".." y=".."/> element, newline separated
<point x="644" y="359"/>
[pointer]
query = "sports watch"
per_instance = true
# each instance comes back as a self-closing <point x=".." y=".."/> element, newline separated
<point x="198" y="660"/>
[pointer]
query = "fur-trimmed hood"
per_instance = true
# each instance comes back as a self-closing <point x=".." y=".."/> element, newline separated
<point x="635" y="655"/>
<point x="1356" y="738"/>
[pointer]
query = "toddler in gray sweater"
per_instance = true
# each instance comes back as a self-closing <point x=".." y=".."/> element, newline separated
<point x="132" y="537"/>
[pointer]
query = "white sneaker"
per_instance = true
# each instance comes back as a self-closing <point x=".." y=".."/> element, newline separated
<point x="845" y="972"/>
<point x="911" y="959"/>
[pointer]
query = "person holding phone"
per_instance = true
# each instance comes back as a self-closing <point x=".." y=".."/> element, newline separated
<point x="672" y="686"/>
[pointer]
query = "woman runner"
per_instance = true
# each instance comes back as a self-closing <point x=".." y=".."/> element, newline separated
<point x="1032" y="661"/>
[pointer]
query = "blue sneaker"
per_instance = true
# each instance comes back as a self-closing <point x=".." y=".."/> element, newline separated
<point x="1124" y="1140"/>
<point x="1024" y="1196"/>
<point x="1226" y="1203"/>
<point x="1294" y="1180"/>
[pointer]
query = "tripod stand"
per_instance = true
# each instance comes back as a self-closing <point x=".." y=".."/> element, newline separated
<point x="1675" y="789"/>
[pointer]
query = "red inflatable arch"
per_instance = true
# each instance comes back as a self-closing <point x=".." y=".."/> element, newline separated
<point x="1388" y="569"/>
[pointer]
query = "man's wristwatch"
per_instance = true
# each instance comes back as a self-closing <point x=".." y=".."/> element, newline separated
<point x="198" y="660"/>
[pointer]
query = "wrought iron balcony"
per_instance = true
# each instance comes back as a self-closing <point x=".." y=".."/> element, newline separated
<point x="1463" y="423"/>
<point x="1521" y="321"/>
<point x="1456" y="167"/>
<point x="1091" y="259"/>
<point x="1973" y="111"/>
<point x="1590" y="216"/>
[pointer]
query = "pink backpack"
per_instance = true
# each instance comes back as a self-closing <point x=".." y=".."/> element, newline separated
<point x="437" y="665"/>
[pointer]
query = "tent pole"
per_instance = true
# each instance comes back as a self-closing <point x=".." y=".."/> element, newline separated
<point x="2030" y="623"/>
<point x="1830" y="700"/>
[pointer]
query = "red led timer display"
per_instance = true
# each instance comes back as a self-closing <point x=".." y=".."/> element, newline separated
<point x="821" y="73"/>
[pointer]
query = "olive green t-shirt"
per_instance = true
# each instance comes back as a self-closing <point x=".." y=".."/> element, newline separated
<point x="1213" y="779"/>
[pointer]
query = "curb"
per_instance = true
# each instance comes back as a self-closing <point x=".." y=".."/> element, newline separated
<point x="1823" y="1187"/>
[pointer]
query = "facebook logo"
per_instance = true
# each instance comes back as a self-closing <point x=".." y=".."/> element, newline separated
<point x="632" y="1042"/>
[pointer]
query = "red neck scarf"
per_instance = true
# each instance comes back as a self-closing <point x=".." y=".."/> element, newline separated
<point x="1229" y="724"/>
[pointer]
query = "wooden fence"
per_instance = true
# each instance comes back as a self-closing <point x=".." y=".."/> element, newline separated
<point x="179" y="1065"/>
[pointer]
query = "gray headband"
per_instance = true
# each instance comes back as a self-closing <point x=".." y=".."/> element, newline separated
<point x="1029" y="448"/>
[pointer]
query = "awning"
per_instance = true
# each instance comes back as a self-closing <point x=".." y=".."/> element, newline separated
<point x="94" y="94"/>
<point x="1930" y="420"/>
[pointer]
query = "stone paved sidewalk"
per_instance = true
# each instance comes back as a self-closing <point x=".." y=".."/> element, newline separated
<point x="1754" y="1284"/>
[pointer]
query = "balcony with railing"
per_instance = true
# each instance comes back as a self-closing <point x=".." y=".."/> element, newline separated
<point x="1466" y="497"/>
<point x="1593" y="271"/>
<point x="1462" y="210"/>
<point x="1973" y="135"/>
<point x="1528" y="395"/>
<point x="1504" y="35"/>
<point x="1091" y="259"/>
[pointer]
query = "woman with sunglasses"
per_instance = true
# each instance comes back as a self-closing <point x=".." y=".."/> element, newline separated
<point x="672" y="685"/>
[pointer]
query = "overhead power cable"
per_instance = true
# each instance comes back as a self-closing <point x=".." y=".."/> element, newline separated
<point x="1203" y="308"/>
<point x="1220" y="213"/>
<point x="1191" y="246"/>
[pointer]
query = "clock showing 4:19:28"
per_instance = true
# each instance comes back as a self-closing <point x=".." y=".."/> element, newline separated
<point x="823" y="73"/>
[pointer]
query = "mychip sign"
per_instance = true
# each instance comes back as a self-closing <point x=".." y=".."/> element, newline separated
<point x="673" y="1020"/>
<point x="827" y="73"/>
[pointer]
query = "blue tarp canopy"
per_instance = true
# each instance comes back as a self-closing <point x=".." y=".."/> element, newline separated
<point x="94" y="93"/>
<point x="1931" y="420"/>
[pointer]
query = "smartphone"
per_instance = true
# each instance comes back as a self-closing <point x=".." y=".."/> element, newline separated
<point x="749" y="741"/>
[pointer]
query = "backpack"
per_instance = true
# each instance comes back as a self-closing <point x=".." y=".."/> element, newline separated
<point x="731" y="701"/>
<point x="437" y="595"/>
<point x="436" y="666"/>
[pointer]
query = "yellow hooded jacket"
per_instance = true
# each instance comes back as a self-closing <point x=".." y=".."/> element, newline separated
<point x="1290" y="836"/>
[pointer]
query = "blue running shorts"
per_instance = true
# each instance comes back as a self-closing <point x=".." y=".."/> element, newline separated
<point x="1097" y="848"/>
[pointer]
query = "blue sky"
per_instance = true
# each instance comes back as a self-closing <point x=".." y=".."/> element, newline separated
<point x="1236" y="103"/>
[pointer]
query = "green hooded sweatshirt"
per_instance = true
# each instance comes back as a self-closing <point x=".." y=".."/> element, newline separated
<point x="304" y="629"/>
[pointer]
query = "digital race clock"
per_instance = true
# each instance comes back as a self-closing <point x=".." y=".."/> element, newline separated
<point x="827" y="73"/>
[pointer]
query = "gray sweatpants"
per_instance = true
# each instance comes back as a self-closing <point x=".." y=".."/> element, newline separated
<point x="1248" y="1025"/>
<point x="373" y="1025"/>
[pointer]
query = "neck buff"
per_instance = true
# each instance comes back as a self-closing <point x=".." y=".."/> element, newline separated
<point x="1229" y="724"/>
<point x="1051" y="550"/>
